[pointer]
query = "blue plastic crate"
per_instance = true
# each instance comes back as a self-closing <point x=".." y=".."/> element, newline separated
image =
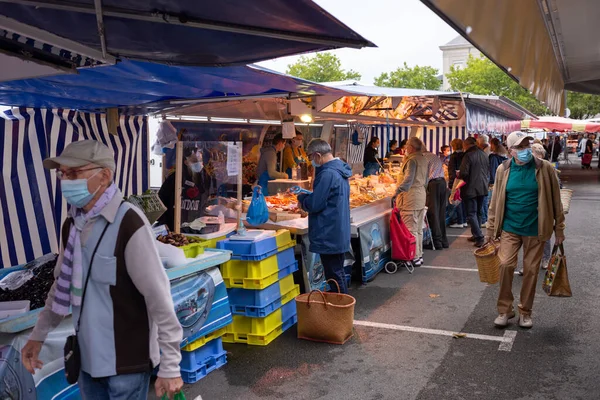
<point x="196" y="364"/>
<point x="256" y="250"/>
<point x="201" y="304"/>
<point x="260" y="303"/>
<point x="190" y="360"/>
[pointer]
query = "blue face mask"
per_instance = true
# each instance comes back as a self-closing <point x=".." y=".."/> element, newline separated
<point x="76" y="191"/>
<point x="524" y="155"/>
<point x="314" y="163"/>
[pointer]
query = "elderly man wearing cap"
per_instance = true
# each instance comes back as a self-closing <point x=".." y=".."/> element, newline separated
<point x="524" y="212"/>
<point x="109" y="265"/>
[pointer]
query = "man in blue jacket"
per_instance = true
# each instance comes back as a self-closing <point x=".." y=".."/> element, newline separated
<point x="328" y="210"/>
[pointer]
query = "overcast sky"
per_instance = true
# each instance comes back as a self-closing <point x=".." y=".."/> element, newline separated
<point x="403" y="30"/>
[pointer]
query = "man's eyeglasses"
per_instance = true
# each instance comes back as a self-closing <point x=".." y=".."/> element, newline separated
<point x="72" y="174"/>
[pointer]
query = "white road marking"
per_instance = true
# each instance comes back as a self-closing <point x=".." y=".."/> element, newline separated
<point x="506" y="341"/>
<point x="453" y="268"/>
<point x="450" y="268"/>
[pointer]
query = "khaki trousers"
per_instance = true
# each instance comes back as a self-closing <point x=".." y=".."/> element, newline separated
<point x="413" y="219"/>
<point x="533" y="249"/>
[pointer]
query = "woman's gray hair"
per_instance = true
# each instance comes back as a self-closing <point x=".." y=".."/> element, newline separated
<point x="538" y="150"/>
<point x="416" y="143"/>
<point x="318" y="146"/>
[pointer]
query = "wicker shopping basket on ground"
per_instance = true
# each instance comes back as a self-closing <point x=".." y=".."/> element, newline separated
<point x="488" y="262"/>
<point x="325" y="317"/>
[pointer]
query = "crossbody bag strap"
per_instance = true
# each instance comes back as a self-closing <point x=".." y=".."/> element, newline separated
<point x="87" y="279"/>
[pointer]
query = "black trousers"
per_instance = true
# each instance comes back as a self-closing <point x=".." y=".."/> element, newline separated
<point x="333" y="264"/>
<point x="437" y="199"/>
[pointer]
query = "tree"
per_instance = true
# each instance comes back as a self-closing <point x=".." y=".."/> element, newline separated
<point x="583" y="105"/>
<point x="322" y="67"/>
<point x="413" y="78"/>
<point x="481" y="76"/>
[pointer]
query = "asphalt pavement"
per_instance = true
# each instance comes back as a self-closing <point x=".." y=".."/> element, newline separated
<point x="404" y="347"/>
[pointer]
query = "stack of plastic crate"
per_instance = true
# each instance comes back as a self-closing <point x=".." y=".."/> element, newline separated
<point x="261" y="288"/>
<point x="203" y="309"/>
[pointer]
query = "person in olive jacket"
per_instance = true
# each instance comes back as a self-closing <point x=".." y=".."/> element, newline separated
<point x="475" y="171"/>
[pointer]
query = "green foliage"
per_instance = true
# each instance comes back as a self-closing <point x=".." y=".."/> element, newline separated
<point x="583" y="105"/>
<point x="322" y="67"/>
<point x="414" y="78"/>
<point x="481" y="76"/>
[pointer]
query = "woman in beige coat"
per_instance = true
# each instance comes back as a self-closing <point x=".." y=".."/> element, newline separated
<point x="412" y="193"/>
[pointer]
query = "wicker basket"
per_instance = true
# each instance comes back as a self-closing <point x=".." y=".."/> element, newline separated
<point x="150" y="204"/>
<point x="565" y="198"/>
<point x="488" y="263"/>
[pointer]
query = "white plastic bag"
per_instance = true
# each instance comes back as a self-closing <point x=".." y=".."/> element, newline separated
<point x="166" y="137"/>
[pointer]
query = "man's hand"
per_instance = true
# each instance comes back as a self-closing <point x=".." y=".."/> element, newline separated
<point x="168" y="386"/>
<point x="559" y="240"/>
<point x="30" y="354"/>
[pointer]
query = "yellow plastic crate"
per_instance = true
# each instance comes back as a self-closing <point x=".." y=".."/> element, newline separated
<point x="212" y="243"/>
<point x="196" y="344"/>
<point x="259" y="274"/>
<point x="193" y="250"/>
<point x="261" y="331"/>
<point x="283" y="238"/>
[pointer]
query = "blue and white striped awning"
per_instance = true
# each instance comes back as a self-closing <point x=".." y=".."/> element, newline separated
<point x="41" y="51"/>
<point x="31" y="205"/>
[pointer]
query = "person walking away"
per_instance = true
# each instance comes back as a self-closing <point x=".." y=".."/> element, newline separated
<point x="129" y="324"/>
<point x="581" y="145"/>
<point x="475" y="171"/>
<point x="586" y="160"/>
<point x="411" y="194"/>
<point x="294" y="154"/>
<point x="328" y="208"/>
<point x="453" y="168"/>
<point x="524" y="212"/>
<point x="196" y="184"/>
<point x="371" y="161"/>
<point x="392" y="148"/>
<point x="267" y="164"/>
<point x="497" y="157"/>
<point x="436" y="201"/>
<point x="556" y="150"/>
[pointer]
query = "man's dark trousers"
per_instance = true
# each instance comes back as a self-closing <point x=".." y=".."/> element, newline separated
<point x="437" y="199"/>
<point x="474" y="217"/>
<point x="333" y="264"/>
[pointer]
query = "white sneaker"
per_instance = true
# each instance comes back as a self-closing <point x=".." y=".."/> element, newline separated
<point x="501" y="320"/>
<point x="484" y="225"/>
<point x="465" y="225"/>
<point x="417" y="262"/>
<point x="457" y="226"/>
<point x="544" y="264"/>
<point x="525" y="321"/>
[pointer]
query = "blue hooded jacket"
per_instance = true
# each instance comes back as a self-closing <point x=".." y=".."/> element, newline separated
<point x="328" y="209"/>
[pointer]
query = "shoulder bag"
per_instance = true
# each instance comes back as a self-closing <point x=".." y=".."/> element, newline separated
<point x="71" y="350"/>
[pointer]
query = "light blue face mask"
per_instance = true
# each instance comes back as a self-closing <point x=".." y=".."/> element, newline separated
<point x="76" y="191"/>
<point x="524" y="155"/>
<point x="314" y="163"/>
<point x="197" y="167"/>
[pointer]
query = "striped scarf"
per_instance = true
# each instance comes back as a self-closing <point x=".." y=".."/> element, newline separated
<point x="69" y="285"/>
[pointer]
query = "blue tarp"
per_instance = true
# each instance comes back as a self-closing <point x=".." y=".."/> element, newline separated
<point x="192" y="32"/>
<point x="136" y="83"/>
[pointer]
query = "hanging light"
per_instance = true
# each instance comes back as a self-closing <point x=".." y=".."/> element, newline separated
<point x="306" y="118"/>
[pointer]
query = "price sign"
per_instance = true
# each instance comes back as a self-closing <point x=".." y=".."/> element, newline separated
<point x="233" y="159"/>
